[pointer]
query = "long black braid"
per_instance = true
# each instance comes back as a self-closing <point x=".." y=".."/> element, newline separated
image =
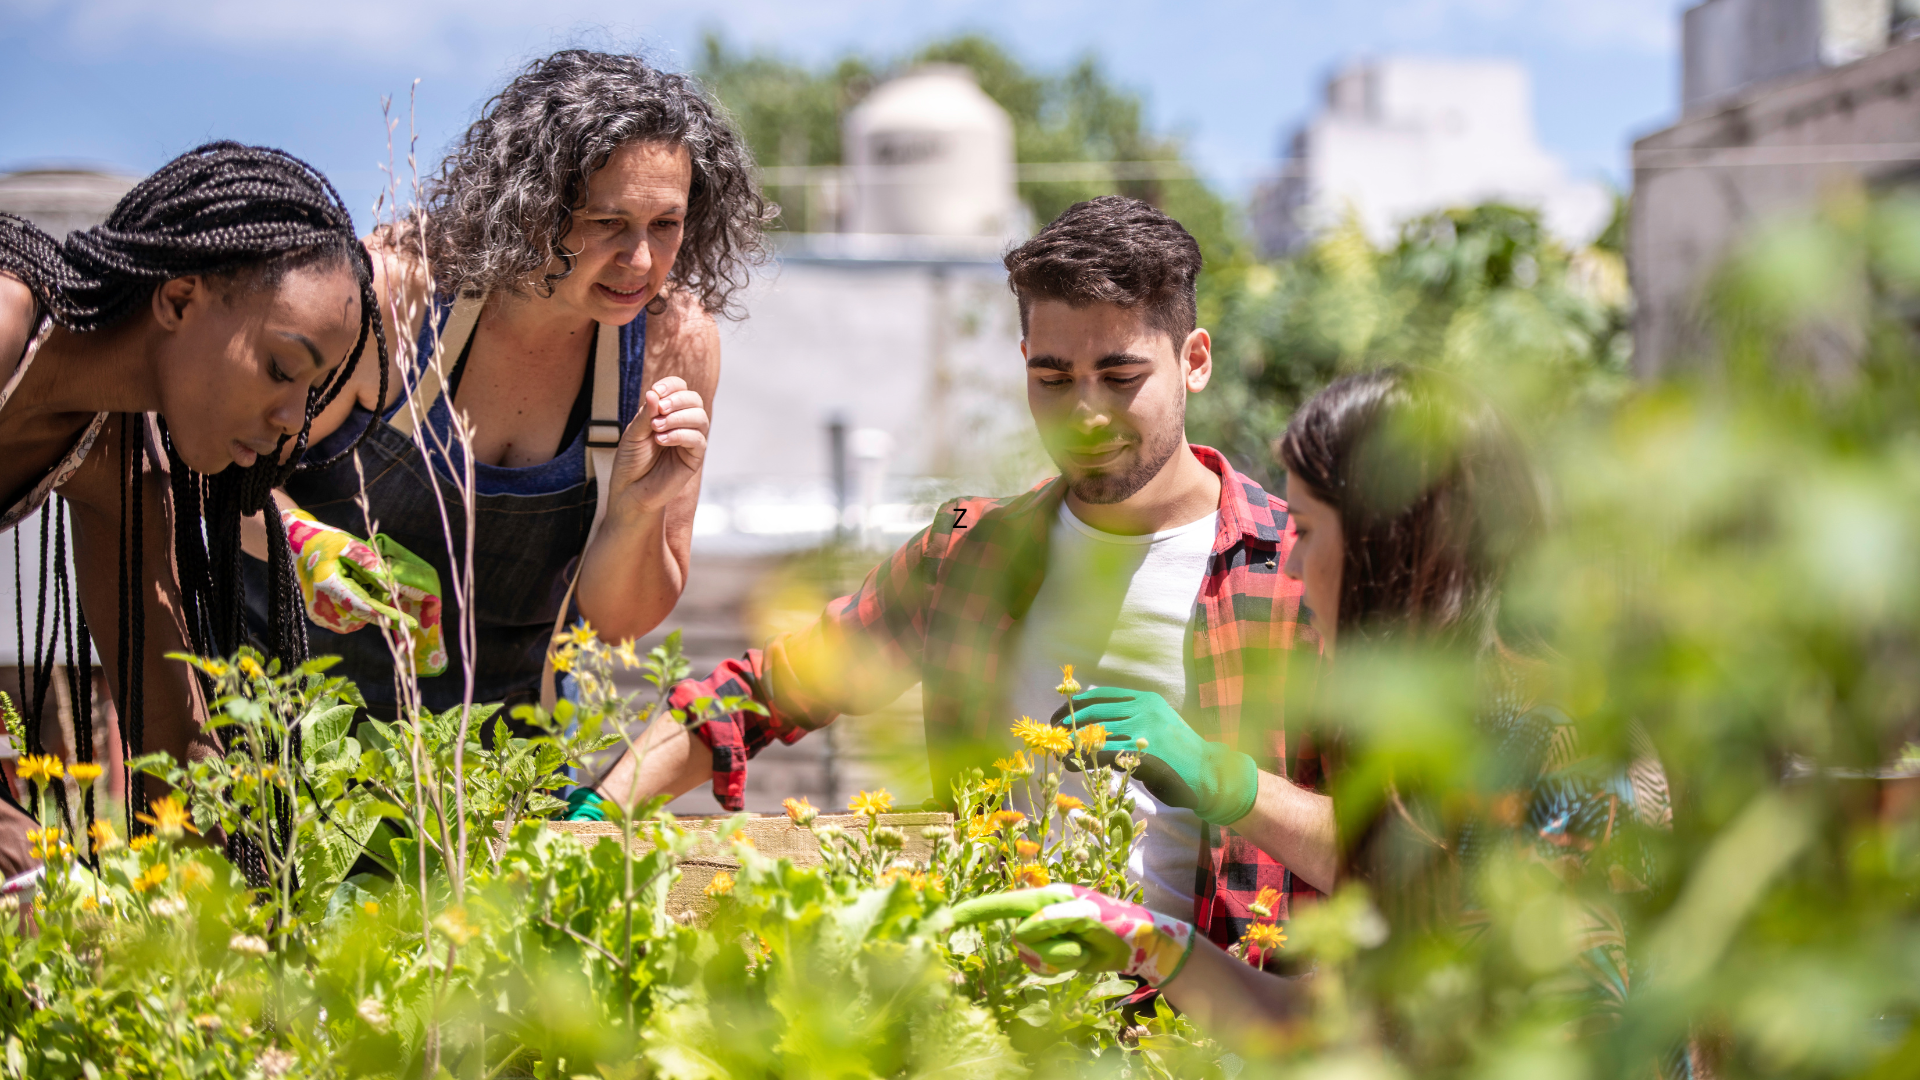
<point x="223" y="209"/>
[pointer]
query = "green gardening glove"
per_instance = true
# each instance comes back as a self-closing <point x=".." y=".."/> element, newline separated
<point x="1073" y="928"/>
<point x="1178" y="766"/>
<point x="585" y="804"/>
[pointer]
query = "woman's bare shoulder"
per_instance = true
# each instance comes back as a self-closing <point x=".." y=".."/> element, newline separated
<point x="401" y="278"/>
<point x="19" y="319"/>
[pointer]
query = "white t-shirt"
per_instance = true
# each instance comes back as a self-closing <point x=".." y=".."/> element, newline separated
<point x="1118" y="608"/>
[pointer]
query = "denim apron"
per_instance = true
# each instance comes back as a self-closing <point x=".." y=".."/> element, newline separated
<point x="530" y="528"/>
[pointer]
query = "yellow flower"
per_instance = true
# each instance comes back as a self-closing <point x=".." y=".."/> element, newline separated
<point x="563" y="658"/>
<point x="88" y="903"/>
<point x="582" y="633"/>
<point x="800" y="810"/>
<point x="1042" y="738"/>
<point x="996" y="787"/>
<point x="1265" y="936"/>
<point x="1067" y="804"/>
<point x="168" y="817"/>
<point x="1007" y="819"/>
<point x="217" y="669"/>
<point x="84" y="771"/>
<point x="871" y="803"/>
<point x="1068" y="686"/>
<point x="194" y="876"/>
<point x="372" y="909"/>
<point x="918" y="880"/>
<point x="1032" y="876"/>
<point x="152" y="876"/>
<point x="740" y="837"/>
<point x="1017" y="765"/>
<point x="721" y="885"/>
<point x="46" y="842"/>
<point x="251" y="668"/>
<point x="141" y="843"/>
<point x="43" y="767"/>
<point x="1264" y="903"/>
<point x="1027" y="849"/>
<point x="1090" y="738"/>
<point x="103" y="836"/>
<point x="453" y="923"/>
<point x="978" y="827"/>
<point x="626" y="655"/>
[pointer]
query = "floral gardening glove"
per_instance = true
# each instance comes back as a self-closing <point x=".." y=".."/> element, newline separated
<point x="1071" y="927"/>
<point x="1178" y="766"/>
<point x="345" y="588"/>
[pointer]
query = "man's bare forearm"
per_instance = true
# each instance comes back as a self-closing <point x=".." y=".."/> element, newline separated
<point x="669" y="759"/>
<point x="1295" y="826"/>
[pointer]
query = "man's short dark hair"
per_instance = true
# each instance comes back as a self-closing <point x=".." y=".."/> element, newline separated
<point x="1111" y="250"/>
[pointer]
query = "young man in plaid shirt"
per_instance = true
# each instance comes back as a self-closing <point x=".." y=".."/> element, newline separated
<point x="1149" y="564"/>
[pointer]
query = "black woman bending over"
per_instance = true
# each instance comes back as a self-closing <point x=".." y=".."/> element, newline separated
<point x="561" y="283"/>
<point x="221" y="297"/>
<point x="1410" y="501"/>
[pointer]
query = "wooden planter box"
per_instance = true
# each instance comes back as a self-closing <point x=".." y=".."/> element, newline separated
<point x="775" y="836"/>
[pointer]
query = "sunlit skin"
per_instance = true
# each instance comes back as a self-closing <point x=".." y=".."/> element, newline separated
<point x="529" y="357"/>
<point x="229" y="368"/>
<point x="1108" y="392"/>
<point x="1318" y="558"/>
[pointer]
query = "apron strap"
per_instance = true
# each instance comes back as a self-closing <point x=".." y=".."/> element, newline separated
<point x="603" y="438"/>
<point x="603" y="429"/>
<point x="433" y="375"/>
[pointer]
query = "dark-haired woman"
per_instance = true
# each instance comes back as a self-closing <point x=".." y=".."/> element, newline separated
<point x="1410" y="500"/>
<point x="560" y="287"/>
<point x="223" y="294"/>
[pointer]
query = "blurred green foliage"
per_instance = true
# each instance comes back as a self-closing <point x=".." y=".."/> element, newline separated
<point x="1483" y="291"/>
<point x="790" y="115"/>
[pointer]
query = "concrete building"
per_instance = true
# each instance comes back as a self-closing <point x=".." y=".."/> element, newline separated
<point x="61" y="200"/>
<point x="1403" y="136"/>
<point x="1785" y="100"/>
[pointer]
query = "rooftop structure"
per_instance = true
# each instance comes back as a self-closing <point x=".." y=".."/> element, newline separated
<point x="1772" y="122"/>
<point x="62" y="200"/>
<point x="1403" y="136"/>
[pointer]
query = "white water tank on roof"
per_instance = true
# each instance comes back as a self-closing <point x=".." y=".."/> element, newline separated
<point x="931" y="155"/>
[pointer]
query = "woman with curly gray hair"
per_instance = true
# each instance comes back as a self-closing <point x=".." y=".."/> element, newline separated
<point x="562" y="279"/>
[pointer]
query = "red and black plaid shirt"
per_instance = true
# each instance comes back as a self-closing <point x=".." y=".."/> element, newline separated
<point x="942" y="610"/>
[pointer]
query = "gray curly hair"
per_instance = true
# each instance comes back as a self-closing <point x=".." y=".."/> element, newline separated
<point x="503" y="200"/>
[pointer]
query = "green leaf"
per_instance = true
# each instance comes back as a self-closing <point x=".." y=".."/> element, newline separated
<point x="326" y="727"/>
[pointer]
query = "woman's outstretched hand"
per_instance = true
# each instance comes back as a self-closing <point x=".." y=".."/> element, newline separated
<point x="348" y="583"/>
<point x="661" y="450"/>
<point x="1070" y="927"/>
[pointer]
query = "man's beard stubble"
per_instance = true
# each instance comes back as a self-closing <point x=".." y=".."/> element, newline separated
<point x="1106" y="489"/>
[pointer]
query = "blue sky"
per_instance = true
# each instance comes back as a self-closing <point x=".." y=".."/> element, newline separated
<point x="127" y="84"/>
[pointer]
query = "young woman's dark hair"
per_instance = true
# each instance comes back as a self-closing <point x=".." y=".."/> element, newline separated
<point x="1435" y="496"/>
<point x="244" y="217"/>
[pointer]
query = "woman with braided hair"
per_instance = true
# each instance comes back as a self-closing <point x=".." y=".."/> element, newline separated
<point x="227" y="299"/>
<point x="561" y="281"/>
